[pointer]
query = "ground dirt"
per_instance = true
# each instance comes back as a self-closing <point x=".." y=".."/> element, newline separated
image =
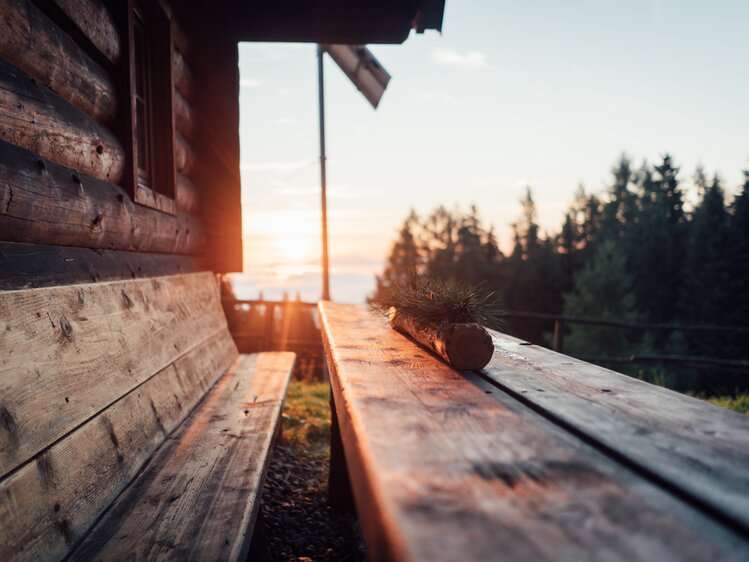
<point x="298" y="523"/>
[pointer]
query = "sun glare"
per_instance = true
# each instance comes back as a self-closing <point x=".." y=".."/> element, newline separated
<point x="291" y="237"/>
<point x="293" y="246"/>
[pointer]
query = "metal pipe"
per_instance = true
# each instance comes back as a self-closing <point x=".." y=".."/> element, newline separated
<point x="321" y="96"/>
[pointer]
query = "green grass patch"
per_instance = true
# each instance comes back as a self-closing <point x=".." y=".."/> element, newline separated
<point x="738" y="403"/>
<point x="306" y="417"/>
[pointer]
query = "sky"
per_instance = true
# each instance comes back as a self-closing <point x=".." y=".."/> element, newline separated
<point x="545" y="94"/>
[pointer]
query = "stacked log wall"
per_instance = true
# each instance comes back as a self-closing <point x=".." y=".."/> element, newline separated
<point x="186" y="193"/>
<point x="62" y="161"/>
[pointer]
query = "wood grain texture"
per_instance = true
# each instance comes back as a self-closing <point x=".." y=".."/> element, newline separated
<point x="216" y="146"/>
<point x="198" y="497"/>
<point x="33" y="117"/>
<point x="93" y="19"/>
<point x="44" y="203"/>
<point x="33" y="43"/>
<point x="183" y="116"/>
<point x="183" y="79"/>
<point x="441" y="470"/>
<point x="51" y="501"/>
<point x="183" y="156"/>
<point x="465" y="346"/>
<point x="701" y="448"/>
<point x="68" y="352"/>
<point x="187" y="195"/>
<point x="28" y="266"/>
<point x="180" y="37"/>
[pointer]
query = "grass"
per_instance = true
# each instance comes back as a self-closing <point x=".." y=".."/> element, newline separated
<point x="306" y="417"/>
<point x="436" y="301"/>
<point x="738" y="403"/>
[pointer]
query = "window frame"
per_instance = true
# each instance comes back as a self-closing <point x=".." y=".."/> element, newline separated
<point x="155" y="186"/>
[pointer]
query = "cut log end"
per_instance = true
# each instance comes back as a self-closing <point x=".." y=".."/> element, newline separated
<point x="465" y="346"/>
<point x="468" y="346"/>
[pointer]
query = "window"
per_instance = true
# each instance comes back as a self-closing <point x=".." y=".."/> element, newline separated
<point x="151" y="119"/>
<point x="143" y="96"/>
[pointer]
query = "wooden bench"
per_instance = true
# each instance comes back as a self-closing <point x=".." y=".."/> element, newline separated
<point x="537" y="457"/>
<point x="129" y="425"/>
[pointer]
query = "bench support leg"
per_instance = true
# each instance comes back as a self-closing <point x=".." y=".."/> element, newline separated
<point x="340" y="497"/>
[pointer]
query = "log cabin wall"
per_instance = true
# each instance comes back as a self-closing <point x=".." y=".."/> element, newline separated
<point x="68" y="154"/>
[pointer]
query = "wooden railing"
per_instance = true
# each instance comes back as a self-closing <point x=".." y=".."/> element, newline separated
<point x="289" y="325"/>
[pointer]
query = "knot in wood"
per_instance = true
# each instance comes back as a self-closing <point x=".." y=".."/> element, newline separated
<point x="66" y="328"/>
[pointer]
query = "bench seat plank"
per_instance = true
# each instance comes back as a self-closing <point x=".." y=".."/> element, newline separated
<point x="197" y="499"/>
<point x="443" y="468"/>
<point x="50" y="502"/>
<point x="701" y="448"/>
<point x="109" y="337"/>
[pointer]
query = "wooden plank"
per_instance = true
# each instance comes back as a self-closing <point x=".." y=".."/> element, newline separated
<point x="93" y="19"/>
<point x="33" y="117"/>
<point x="198" y="498"/>
<point x="27" y="266"/>
<point x="700" y="448"/>
<point x="51" y="501"/>
<point x="37" y="46"/>
<point x="441" y="470"/>
<point x="59" y="341"/>
<point x="43" y="203"/>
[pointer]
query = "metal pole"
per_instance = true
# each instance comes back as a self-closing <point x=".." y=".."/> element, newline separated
<point x="325" y="270"/>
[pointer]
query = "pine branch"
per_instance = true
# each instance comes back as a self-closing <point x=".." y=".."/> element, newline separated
<point x="434" y="301"/>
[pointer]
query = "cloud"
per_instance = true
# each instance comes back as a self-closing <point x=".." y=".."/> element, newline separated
<point x="251" y="82"/>
<point x="333" y="191"/>
<point x="468" y="59"/>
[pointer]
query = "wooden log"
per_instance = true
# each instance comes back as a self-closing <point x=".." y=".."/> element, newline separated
<point x="185" y="120"/>
<point x="32" y="117"/>
<point x="186" y="196"/>
<point x="44" y="203"/>
<point x="33" y="43"/>
<point x="182" y="75"/>
<point x="93" y="343"/>
<point x="198" y="497"/>
<point x="445" y="466"/>
<point x="50" y="502"/>
<point x="466" y="346"/>
<point x="183" y="155"/>
<point x="27" y="266"/>
<point x="95" y="22"/>
<point x="179" y="37"/>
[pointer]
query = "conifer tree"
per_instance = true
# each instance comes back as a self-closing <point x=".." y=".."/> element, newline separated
<point x="603" y="289"/>
<point x="656" y="243"/>
<point x="404" y="261"/>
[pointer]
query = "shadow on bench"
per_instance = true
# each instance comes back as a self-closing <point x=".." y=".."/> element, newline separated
<point x="130" y="426"/>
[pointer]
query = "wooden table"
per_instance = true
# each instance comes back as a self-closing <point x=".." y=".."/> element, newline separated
<point x="537" y="457"/>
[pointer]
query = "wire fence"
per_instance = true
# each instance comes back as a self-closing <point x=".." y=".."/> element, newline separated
<point x="712" y="363"/>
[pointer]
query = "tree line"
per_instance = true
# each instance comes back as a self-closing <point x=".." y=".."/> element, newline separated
<point x="635" y="252"/>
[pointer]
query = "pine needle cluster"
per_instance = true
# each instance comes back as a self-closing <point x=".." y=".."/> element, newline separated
<point x="437" y="301"/>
